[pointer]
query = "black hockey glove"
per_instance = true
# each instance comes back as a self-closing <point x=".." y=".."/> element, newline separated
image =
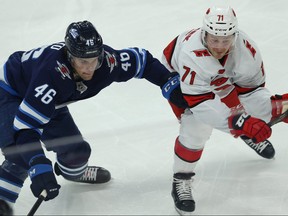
<point x="42" y="177"/>
<point x="171" y="91"/>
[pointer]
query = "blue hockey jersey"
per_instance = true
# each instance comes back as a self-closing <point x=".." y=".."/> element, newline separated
<point x="43" y="79"/>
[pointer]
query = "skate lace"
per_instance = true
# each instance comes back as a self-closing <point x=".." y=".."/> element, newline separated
<point x="89" y="174"/>
<point x="259" y="147"/>
<point x="184" y="188"/>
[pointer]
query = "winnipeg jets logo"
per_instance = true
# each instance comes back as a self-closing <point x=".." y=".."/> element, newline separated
<point x="111" y="61"/>
<point x="81" y="87"/>
<point x="63" y="70"/>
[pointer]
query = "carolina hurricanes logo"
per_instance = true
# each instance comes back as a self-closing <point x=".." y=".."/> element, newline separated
<point x="63" y="70"/>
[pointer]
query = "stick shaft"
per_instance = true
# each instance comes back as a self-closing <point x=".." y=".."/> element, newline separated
<point x="37" y="203"/>
<point x="278" y="119"/>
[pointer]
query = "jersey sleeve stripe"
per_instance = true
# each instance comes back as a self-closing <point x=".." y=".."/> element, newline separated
<point x="28" y="110"/>
<point x="12" y="187"/>
<point x="140" y="55"/>
<point x="144" y="57"/>
<point x="19" y="125"/>
<point x="4" y="82"/>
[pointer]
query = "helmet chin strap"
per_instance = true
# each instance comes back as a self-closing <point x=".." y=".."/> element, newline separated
<point x="69" y="56"/>
<point x="100" y="60"/>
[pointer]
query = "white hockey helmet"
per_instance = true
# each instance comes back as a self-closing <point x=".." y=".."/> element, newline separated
<point x="220" y="21"/>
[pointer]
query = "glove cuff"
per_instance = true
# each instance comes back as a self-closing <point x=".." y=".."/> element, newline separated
<point x="39" y="164"/>
<point x="170" y="85"/>
<point x="39" y="169"/>
<point x="237" y="121"/>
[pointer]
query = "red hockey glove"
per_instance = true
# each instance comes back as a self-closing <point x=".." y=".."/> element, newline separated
<point x="254" y="128"/>
<point x="279" y="106"/>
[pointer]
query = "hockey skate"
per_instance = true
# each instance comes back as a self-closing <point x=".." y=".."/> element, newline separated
<point x="265" y="149"/>
<point x="92" y="175"/>
<point x="5" y="208"/>
<point x="95" y="175"/>
<point x="182" y="193"/>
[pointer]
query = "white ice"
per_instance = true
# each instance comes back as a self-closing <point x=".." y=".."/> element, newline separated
<point x="131" y="127"/>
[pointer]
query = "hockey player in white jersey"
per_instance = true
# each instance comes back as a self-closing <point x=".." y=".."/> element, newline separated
<point x="222" y="78"/>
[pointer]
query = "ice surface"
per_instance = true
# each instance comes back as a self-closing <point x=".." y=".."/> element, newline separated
<point x="132" y="129"/>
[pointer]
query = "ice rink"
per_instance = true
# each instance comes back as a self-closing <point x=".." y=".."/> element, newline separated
<point x="130" y="125"/>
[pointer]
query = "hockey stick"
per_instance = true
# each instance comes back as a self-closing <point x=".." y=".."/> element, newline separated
<point x="278" y="119"/>
<point x="37" y="203"/>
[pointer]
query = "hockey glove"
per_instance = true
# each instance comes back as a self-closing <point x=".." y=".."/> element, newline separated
<point x="254" y="128"/>
<point x="42" y="177"/>
<point x="171" y="91"/>
<point x="279" y="106"/>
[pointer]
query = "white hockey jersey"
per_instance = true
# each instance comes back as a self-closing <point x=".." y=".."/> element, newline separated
<point x="205" y="80"/>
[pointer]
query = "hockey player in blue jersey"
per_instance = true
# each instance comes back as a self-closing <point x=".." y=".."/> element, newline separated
<point x="36" y="87"/>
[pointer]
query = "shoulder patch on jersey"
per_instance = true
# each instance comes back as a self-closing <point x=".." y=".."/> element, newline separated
<point x="63" y="70"/>
<point x="111" y="60"/>
<point x="81" y="87"/>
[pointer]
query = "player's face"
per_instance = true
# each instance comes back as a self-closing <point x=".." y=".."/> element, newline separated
<point x="85" y="67"/>
<point x="219" y="45"/>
